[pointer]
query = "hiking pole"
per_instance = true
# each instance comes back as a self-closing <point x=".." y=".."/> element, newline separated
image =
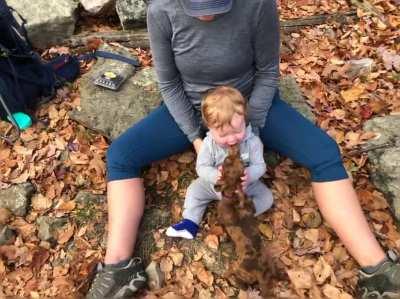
<point x="13" y="121"/>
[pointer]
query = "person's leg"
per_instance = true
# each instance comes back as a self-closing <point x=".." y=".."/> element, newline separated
<point x="261" y="197"/>
<point x="289" y="133"/>
<point x="198" y="195"/>
<point x="124" y="215"/>
<point x="154" y="138"/>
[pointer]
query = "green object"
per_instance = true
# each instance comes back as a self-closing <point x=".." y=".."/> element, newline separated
<point x="113" y="281"/>
<point x="384" y="282"/>
<point x="23" y="120"/>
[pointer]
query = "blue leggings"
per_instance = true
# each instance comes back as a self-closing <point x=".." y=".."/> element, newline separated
<point x="286" y="131"/>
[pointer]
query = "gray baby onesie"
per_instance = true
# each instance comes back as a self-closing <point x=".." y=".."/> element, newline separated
<point x="201" y="191"/>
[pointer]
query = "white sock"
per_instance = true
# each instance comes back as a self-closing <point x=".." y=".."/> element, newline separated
<point x="172" y="232"/>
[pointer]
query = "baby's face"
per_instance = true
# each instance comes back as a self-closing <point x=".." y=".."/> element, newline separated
<point x="232" y="134"/>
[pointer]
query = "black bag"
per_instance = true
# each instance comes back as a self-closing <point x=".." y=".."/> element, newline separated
<point x="24" y="78"/>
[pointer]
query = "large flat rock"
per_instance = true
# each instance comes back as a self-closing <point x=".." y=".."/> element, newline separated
<point x="291" y="93"/>
<point x="49" y="22"/>
<point x="99" y="7"/>
<point x="385" y="161"/>
<point x="132" y="13"/>
<point x="16" y="198"/>
<point x="112" y="112"/>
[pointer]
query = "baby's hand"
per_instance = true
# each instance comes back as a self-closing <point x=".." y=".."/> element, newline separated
<point x="219" y="176"/>
<point x="245" y="180"/>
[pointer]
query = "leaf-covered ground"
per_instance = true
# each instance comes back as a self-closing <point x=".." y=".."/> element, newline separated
<point x="60" y="157"/>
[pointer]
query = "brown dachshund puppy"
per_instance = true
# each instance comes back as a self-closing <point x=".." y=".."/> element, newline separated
<point x="236" y="212"/>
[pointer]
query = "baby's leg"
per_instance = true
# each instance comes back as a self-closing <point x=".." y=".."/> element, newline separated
<point x="199" y="194"/>
<point x="261" y="197"/>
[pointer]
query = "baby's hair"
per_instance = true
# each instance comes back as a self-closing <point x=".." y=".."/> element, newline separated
<point x="220" y="104"/>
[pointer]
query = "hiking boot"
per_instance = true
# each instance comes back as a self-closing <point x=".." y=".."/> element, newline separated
<point x="384" y="283"/>
<point x="114" y="282"/>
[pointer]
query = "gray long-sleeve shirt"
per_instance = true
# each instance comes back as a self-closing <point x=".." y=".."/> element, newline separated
<point x="239" y="48"/>
<point x="212" y="155"/>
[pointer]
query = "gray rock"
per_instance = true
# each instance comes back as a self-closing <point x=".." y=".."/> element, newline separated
<point x="131" y="13"/>
<point x="360" y="67"/>
<point x="291" y="93"/>
<point x="49" y="22"/>
<point x="99" y="7"/>
<point x="6" y="235"/>
<point x="47" y="227"/>
<point x="385" y="162"/>
<point x="16" y="198"/>
<point x="86" y="197"/>
<point x="155" y="276"/>
<point x="110" y="112"/>
<point x="216" y="261"/>
<point x="152" y="220"/>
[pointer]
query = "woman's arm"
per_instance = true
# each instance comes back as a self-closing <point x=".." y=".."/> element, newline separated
<point x="169" y="79"/>
<point x="266" y="49"/>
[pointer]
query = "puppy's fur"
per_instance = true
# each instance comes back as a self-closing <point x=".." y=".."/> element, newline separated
<point x="236" y="212"/>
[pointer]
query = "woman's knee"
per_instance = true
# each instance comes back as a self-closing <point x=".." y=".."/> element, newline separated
<point x="121" y="162"/>
<point x="326" y="163"/>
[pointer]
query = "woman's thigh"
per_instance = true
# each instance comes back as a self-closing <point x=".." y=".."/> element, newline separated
<point x="289" y="133"/>
<point x="154" y="138"/>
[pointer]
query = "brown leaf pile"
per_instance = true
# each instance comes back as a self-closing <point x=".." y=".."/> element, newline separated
<point x="60" y="158"/>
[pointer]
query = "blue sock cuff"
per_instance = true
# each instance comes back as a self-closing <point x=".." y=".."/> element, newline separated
<point x="187" y="224"/>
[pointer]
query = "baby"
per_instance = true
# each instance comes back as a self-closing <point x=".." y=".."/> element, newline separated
<point x="224" y="113"/>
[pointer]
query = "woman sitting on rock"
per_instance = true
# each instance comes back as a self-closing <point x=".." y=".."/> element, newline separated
<point x="198" y="45"/>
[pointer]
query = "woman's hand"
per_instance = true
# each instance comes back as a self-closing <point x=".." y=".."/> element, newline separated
<point x="197" y="143"/>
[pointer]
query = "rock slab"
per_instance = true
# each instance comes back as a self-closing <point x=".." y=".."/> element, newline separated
<point x="290" y="92"/>
<point x="110" y="112"/>
<point x="99" y="7"/>
<point x="131" y="13"/>
<point x="385" y="161"/>
<point x="49" y="22"/>
<point x="16" y="198"/>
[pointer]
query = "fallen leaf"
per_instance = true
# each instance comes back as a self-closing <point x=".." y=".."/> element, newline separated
<point x="65" y="205"/>
<point x="202" y="274"/>
<point x="390" y="59"/>
<point x="5" y="215"/>
<point x="212" y="241"/>
<point x="22" y="178"/>
<point x="172" y="295"/>
<point x="177" y="258"/>
<point x="266" y="230"/>
<point x="4" y="153"/>
<point x="312" y="235"/>
<point x="166" y="265"/>
<point x="65" y="233"/>
<point x="331" y="292"/>
<point x="301" y="279"/>
<point x="353" y="94"/>
<point x="40" y="256"/>
<point x="60" y="270"/>
<point x="40" y="202"/>
<point x="322" y="270"/>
